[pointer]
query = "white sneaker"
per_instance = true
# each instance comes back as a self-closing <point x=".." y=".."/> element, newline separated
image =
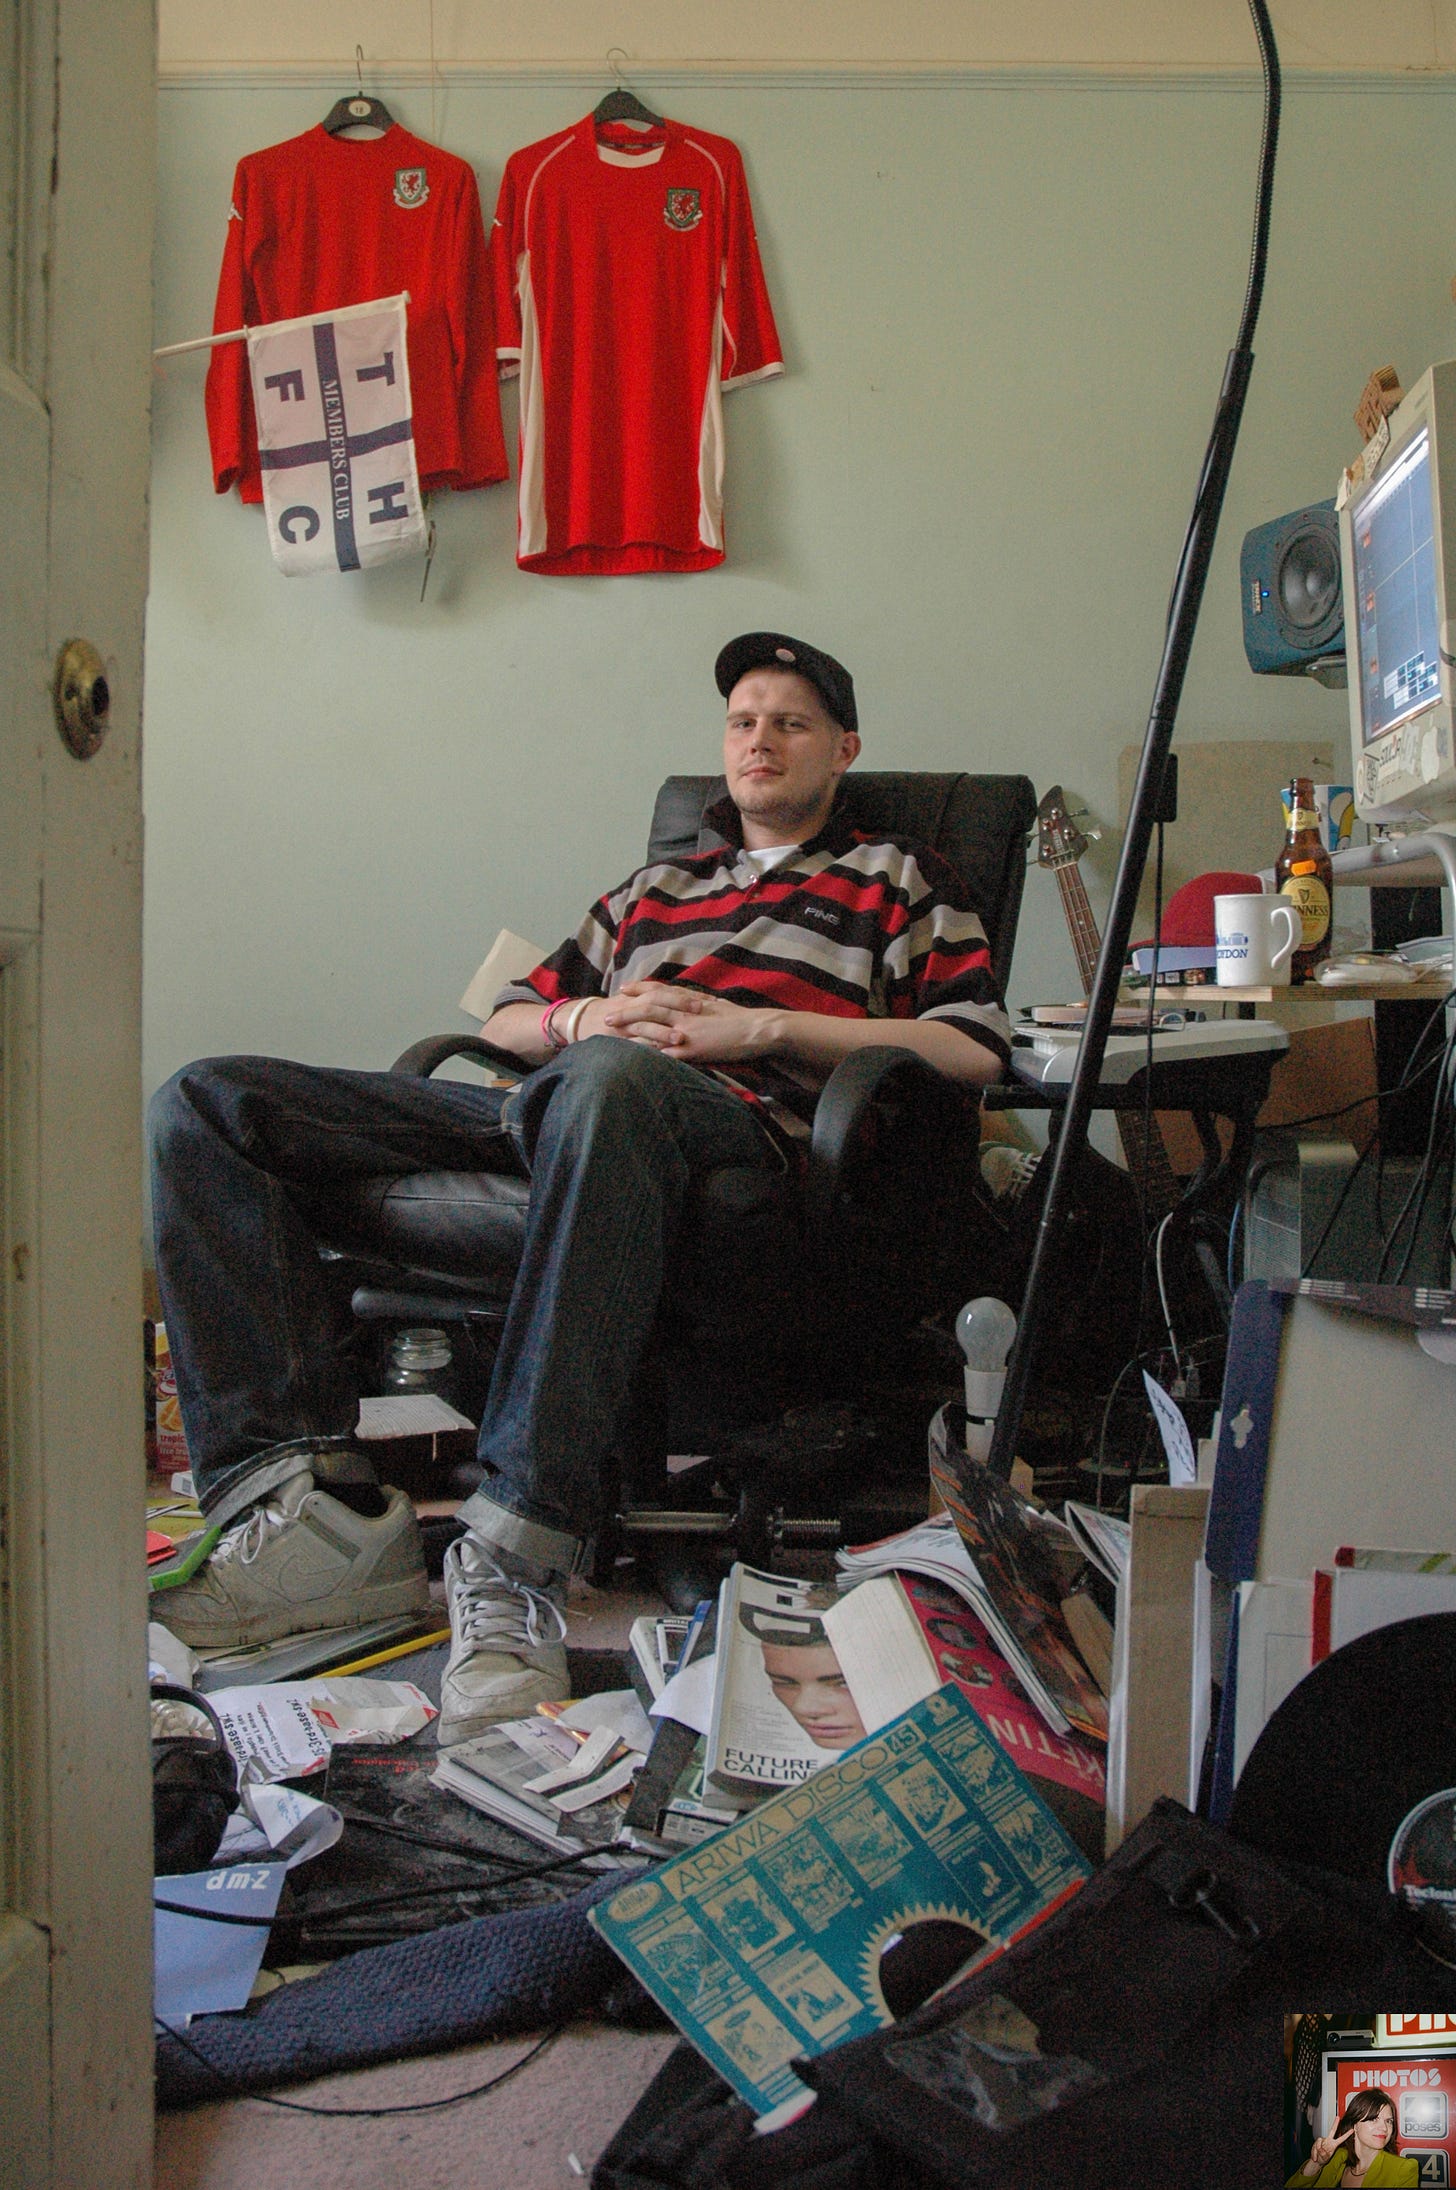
<point x="507" y="1643"/>
<point x="1007" y="1172"/>
<point x="301" y="1560"/>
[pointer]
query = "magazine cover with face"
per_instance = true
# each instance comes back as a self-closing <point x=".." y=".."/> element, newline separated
<point x="781" y="1705"/>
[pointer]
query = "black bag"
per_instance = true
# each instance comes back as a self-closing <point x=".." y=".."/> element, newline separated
<point x="689" y="2131"/>
<point x="1135" y="2037"/>
<point x="194" y="1789"/>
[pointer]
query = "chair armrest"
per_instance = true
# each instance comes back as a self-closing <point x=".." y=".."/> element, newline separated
<point x="425" y="1057"/>
<point x="866" y="1081"/>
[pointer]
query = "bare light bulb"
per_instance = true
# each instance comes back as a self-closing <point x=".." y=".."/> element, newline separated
<point x="984" y="1329"/>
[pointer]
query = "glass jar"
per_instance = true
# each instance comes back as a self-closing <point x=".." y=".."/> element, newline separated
<point x="419" y="1360"/>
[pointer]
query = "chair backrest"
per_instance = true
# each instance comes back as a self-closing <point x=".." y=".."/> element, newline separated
<point x="979" y="824"/>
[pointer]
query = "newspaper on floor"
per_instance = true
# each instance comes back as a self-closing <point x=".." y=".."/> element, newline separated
<point x="287" y="1728"/>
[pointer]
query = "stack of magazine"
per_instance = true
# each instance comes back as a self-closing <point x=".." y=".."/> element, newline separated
<point x="802" y="1673"/>
<point x="1022" y="1617"/>
<point x="797" y="1673"/>
<point x="548" y="1782"/>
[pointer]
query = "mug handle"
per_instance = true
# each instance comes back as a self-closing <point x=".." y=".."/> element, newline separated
<point x="1286" y="949"/>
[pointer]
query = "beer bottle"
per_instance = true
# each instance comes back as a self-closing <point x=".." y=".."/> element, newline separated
<point x="1303" y="874"/>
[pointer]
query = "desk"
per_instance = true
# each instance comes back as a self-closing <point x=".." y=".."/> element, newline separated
<point x="1205" y="994"/>
<point x="1426" y="860"/>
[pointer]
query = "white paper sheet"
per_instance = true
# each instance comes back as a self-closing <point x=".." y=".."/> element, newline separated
<point x="619" y="1708"/>
<point x="688" y="1696"/>
<point x="590" y="1756"/>
<point x="202" y="1968"/>
<point x="408" y="1414"/>
<point x="1177" y="1443"/>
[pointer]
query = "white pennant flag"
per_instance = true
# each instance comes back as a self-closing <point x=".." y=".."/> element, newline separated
<point x="331" y="396"/>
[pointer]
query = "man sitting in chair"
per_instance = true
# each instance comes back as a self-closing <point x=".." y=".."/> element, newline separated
<point x="686" y="1025"/>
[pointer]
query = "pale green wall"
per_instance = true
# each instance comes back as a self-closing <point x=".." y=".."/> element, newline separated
<point x="1006" y="309"/>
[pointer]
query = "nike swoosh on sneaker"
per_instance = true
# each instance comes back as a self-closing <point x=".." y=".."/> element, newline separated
<point x="311" y="1569"/>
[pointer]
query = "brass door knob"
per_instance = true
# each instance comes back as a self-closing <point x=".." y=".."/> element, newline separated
<point x="82" y="697"/>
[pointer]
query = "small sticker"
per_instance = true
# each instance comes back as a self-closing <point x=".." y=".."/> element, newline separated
<point x="411" y="187"/>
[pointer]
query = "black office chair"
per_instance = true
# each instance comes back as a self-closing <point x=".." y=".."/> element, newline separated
<point x="790" y="1297"/>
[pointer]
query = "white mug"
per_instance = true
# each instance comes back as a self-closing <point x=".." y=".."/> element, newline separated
<point x="1243" y="932"/>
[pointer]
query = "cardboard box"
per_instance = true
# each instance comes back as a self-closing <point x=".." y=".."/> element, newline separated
<point x="1324" y="1068"/>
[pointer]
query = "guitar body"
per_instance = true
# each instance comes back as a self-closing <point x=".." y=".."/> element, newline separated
<point x="1188" y="1278"/>
<point x="1095" y="1286"/>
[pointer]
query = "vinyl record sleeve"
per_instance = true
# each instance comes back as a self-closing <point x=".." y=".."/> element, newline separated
<point x="1364" y="1738"/>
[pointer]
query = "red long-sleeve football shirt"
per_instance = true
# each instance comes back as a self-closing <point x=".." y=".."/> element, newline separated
<point x="319" y="222"/>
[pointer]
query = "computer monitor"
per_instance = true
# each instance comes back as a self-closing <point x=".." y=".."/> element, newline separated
<point x="1398" y="563"/>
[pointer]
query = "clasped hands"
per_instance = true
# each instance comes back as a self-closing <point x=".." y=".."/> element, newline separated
<point x="682" y="1022"/>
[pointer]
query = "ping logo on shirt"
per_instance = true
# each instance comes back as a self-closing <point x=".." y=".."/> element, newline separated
<point x="684" y="208"/>
<point x="827" y="913"/>
<point x="411" y="187"/>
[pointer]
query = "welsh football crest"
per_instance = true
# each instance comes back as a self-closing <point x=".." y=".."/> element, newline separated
<point x="411" y="187"/>
<point x="684" y="208"/>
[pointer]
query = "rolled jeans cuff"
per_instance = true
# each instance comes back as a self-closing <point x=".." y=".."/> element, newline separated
<point x="548" y="1547"/>
<point x="336" y="1460"/>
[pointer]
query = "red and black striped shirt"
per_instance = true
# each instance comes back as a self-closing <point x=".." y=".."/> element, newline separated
<point x="855" y="925"/>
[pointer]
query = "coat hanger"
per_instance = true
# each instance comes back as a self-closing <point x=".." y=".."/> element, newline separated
<point x="359" y="111"/>
<point x="622" y="104"/>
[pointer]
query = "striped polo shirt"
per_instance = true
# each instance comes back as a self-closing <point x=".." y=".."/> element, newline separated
<point x="852" y="924"/>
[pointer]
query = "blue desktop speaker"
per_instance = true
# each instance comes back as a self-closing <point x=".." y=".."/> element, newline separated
<point x="1294" y="622"/>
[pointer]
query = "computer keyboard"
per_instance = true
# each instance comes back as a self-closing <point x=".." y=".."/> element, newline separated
<point x="1050" y="1057"/>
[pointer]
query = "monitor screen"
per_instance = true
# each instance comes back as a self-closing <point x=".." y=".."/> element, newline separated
<point x="1397" y="612"/>
<point x="1397" y="519"/>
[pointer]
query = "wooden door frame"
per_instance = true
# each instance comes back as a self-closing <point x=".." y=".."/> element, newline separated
<point x="77" y="1803"/>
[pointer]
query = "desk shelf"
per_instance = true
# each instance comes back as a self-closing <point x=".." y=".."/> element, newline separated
<point x="1208" y="993"/>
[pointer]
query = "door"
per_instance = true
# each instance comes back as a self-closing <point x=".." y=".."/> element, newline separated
<point x="76" y="161"/>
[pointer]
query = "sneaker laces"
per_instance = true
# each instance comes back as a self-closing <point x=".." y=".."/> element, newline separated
<point x="491" y="1609"/>
<point x="246" y="1538"/>
<point x="1007" y="1172"/>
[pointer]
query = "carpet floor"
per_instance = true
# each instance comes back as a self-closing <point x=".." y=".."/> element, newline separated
<point x="543" y="2130"/>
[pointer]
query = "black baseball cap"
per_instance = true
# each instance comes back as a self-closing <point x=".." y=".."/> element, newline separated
<point x="771" y="650"/>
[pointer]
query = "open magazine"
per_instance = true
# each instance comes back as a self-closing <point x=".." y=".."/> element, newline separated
<point x="1026" y="1563"/>
<point x="964" y="1654"/>
<point x="898" y="1637"/>
<point x="1102" y="1536"/>
<point x="1012" y="1579"/>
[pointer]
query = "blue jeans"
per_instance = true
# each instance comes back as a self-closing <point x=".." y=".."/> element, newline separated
<point x="611" y="1134"/>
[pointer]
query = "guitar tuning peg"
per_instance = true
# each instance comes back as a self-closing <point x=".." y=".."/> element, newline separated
<point x="1094" y="834"/>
